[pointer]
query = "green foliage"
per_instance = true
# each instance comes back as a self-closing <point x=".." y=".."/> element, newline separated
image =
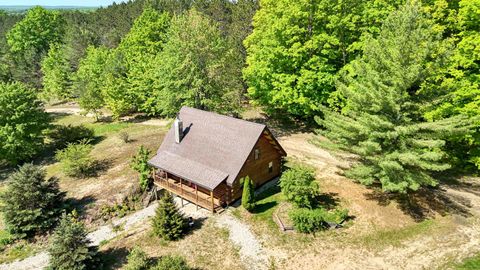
<point x="140" y="164"/>
<point x="38" y="30"/>
<point x="56" y="75"/>
<point x="381" y="122"/>
<point x="297" y="47"/>
<point x="197" y="68"/>
<point x="312" y="220"/>
<point x="30" y="39"/>
<point x="171" y="263"/>
<point x="137" y="259"/>
<point x="76" y="160"/>
<point x="90" y="78"/>
<point x="63" y="135"/>
<point x="69" y="246"/>
<point x="469" y="264"/>
<point x="248" y="195"/>
<point x="31" y="204"/>
<point x="299" y="186"/>
<point x="459" y="83"/>
<point x="168" y="222"/>
<point x="22" y="122"/>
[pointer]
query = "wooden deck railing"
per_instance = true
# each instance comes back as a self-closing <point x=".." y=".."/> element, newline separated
<point x="195" y="196"/>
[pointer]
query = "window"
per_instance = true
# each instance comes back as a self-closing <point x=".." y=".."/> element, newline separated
<point x="257" y="153"/>
<point x="270" y="167"/>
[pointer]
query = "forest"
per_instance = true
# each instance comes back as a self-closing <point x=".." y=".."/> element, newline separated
<point x="391" y="86"/>
<point x="395" y="82"/>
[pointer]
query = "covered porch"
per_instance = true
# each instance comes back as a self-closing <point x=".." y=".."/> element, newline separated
<point x="213" y="199"/>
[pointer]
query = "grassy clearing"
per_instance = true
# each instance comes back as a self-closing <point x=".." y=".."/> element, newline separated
<point x="472" y="263"/>
<point x="19" y="250"/>
<point x="381" y="238"/>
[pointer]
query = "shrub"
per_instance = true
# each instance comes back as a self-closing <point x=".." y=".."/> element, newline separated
<point x="31" y="203"/>
<point x="140" y="164"/>
<point x="124" y="137"/>
<point x="312" y="220"/>
<point x="75" y="159"/>
<point x="69" y="248"/>
<point x="168" y="223"/>
<point x="299" y="186"/>
<point x="22" y="122"/>
<point x="137" y="260"/>
<point x="171" y="263"/>
<point x="248" y="196"/>
<point x="64" y="135"/>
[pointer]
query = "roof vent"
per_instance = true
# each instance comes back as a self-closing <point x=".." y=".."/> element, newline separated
<point x="178" y="125"/>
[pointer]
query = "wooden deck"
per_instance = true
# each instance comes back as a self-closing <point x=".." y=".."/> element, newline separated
<point x="193" y="195"/>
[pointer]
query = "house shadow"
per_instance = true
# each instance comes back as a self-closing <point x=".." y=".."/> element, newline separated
<point x="263" y="207"/>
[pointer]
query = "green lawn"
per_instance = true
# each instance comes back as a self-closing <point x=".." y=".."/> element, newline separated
<point x="472" y="263"/>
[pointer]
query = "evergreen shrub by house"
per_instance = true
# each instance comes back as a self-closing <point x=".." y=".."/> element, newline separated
<point x="75" y="160"/>
<point x="168" y="222"/>
<point x="31" y="204"/>
<point x="248" y="195"/>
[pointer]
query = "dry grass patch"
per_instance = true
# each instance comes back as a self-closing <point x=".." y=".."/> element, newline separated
<point x="205" y="248"/>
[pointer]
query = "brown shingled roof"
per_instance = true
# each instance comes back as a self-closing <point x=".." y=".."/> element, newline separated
<point x="214" y="147"/>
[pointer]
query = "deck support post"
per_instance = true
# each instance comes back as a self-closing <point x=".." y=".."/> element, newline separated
<point x="196" y="196"/>
<point x="181" y="188"/>
<point x="213" y="205"/>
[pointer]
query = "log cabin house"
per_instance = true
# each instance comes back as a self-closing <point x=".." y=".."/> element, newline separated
<point x="204" y="156"/>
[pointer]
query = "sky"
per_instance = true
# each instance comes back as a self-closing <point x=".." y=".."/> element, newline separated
<point x="89" y="3"/>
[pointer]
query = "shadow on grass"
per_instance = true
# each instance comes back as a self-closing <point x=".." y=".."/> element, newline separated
<point x="328" y="201"/>
<point x="424" y="203"/>
<point x="113" y="258"/>
<point x="79" y="205"/>
<point x="263" y="207"/>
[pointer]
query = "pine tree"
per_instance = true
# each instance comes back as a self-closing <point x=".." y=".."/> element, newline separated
<point x="69" y="248"/>
<point x="140" y="164"/>
<point x="168" y="222"/>
<point x="31" y="204"/>
<point x="248" y="195"/>
<point x="382" y="122"/>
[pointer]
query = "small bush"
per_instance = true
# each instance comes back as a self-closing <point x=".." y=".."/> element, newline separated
<point x="64" y="135"/>
<point x="69" y="247"/>
<point x="248" y="195"/>
<point x="312" y="220"/>
<point x="124" y="137"/>
<point x="137" y="260"/>
<point x="299" y="186"/>
<point x="171" y="263"/>
<point x="76" y="160"/>
<point x="168" y="222"/>
<point x="31" y="203"/>
<point x="140" y="164"/>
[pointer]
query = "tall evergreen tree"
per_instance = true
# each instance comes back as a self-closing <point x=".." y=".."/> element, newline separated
<point x="248" y="195"/>
<point x="382" y="121"/>
<point x="198" y="68"/>
<point x="31" y="203"/>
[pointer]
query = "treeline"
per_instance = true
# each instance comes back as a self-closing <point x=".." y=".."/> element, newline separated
<point x="394" y="81"/>
<point x="140" y="56"/>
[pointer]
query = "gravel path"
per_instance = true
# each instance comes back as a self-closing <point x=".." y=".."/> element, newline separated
<point x="251" y="251"/>
<point x="103" y="233"/>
